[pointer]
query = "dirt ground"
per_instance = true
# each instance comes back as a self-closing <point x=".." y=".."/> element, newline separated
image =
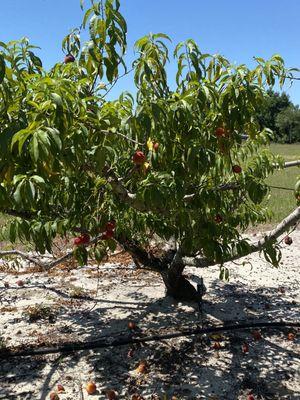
<point x="86" y="303"/>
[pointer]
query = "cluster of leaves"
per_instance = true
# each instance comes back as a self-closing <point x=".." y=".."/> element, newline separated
<point x="65" y="150"/>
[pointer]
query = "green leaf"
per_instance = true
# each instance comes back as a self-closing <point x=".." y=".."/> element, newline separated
<point x="81" y="255"/>
<point x="57" y="100"/>
<point x="17" y="194"/>
<point x="2" y="68"/>
<point x="35" y="60"/>
<point x="257" y="191"/>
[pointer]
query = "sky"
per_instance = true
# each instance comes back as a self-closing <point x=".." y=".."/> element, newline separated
<point x="237" y="29"/>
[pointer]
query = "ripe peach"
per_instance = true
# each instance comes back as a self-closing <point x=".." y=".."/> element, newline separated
<point x="220" y="132"/>
<point x="288" y="240"/>
<point x="138" y="157"/>
<point x="60" y="388"/>
<point x="78" y="241"/>
<point x="142" y="367"/>
<point x="236" y="169"/>
<point x="107" y="235"/>
<point x="155" y="146"/>
<point x="245" y="348"/>
<point x="110" y="226"/>
<point x="218" y="219"/>
<point x="217" y="346"/>
<point x="69" y="59"/>
<point x="85" y="238"/>
<point x="291" y="336"/>
<point x="250" y="397"/>
<point x="91" y="387"/>
<point x="54" y="396"/>
<point x="20" y="283"/>
<point x="131" y="325"/>
<point x="111" y="395"/>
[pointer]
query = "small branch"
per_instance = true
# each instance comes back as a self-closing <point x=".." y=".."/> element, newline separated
<point x="141" y="255"/>
<point x="127" y="197"/>
<point x="122" y="135"/>
<point x="124" y="194"/>
<point x="281" y="228"/>
<point x="45" y="266"/>
<point x="110" y="341"/>
<point x="69" y="255"/>
<point x="15" y="213"/>
<point x="25" y="256"/>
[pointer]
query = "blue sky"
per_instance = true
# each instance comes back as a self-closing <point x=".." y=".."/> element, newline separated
<point x="238" y="29"/>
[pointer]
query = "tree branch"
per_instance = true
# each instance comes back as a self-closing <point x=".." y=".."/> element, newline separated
<point x="14" y="213"/>
<point x="142" y="256"/>
<point x="123" y="136"/>
<point x="25" y="256"/>
<point x="288" y="164"/>
<point x="282" y="227"/>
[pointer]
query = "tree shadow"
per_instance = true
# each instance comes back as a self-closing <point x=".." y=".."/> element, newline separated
<point x="189" y="368"/>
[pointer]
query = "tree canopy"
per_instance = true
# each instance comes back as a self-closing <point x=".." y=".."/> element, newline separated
<point x="170" y="163"/>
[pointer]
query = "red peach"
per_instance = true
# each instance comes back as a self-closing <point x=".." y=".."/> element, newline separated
<point x="138" y="157"/>
<point x="237" y="169"/>
<point x="69" y="59"/>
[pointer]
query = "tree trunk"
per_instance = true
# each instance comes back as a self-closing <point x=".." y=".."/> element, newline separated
<point x="177" y="286"/>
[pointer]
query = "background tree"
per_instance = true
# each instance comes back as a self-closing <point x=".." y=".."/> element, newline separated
<point x="288" y="125"/>
<point x="280" y="115"/>
<point x="167" y="164"/>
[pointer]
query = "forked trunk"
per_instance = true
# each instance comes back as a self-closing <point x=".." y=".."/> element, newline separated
<point x="179" y="287"/>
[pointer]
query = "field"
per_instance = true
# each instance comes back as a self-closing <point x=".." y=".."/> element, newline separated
<point x="282" y="202"/>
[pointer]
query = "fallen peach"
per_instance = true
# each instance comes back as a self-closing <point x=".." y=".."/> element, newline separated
<point x="91" y="387"/>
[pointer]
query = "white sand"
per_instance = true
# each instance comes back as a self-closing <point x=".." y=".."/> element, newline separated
<point x="189" y="368"/>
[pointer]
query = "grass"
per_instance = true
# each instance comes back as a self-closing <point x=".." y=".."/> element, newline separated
<point x="282" y="202"/>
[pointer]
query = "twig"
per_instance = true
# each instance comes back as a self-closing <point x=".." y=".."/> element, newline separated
<point x="109" y="341"/>
<point x="21" y="254"/>
<point x="122" y="135"/>
<point x="80" y="391"/>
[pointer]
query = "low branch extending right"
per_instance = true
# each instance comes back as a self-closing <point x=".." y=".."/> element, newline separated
<point x="281" y="228"/>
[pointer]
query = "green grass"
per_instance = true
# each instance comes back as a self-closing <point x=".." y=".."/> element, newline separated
<point x="282" y="202"/>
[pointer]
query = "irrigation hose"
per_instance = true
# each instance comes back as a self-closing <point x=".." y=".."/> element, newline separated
<point x="130" y="339"/>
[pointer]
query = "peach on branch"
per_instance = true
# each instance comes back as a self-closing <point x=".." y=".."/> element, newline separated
<point x="237" y="169"/>
<point x="218" y="219"/>
<point x="69" y="59"/>
<point x="138" y="157"/>
<point x="220" y="131"/>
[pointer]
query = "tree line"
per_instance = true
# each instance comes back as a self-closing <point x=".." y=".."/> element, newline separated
<point x="282" y="116"/>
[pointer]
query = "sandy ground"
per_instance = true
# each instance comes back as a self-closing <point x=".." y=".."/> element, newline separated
<point x="188" y="368"/>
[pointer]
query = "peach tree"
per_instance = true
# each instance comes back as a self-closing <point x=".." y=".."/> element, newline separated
<point x="166" y="163"/>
